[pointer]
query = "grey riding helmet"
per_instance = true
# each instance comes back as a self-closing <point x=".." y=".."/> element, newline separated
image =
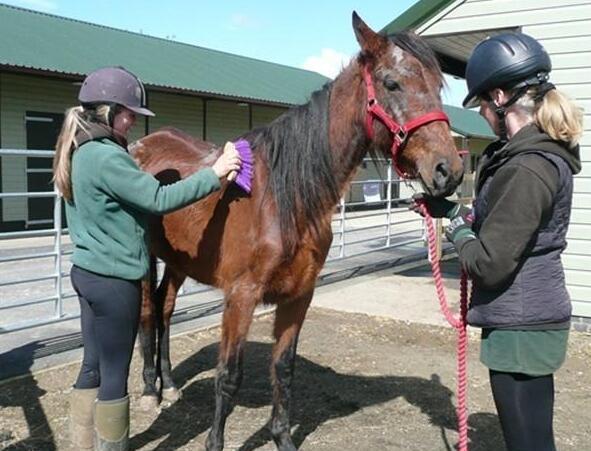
<point x="508" y="60"/>
<point x="114" y="85"/>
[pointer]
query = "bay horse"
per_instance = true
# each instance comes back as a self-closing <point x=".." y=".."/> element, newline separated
<point x="268" y="247"/>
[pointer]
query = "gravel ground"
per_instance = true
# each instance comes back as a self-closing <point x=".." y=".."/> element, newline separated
<point x="362" y="383"/>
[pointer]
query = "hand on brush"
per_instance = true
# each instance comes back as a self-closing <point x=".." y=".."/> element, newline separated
<point x="229" y="163"/>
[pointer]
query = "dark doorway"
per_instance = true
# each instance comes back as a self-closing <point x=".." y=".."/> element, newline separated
<point x="42" y="132"/>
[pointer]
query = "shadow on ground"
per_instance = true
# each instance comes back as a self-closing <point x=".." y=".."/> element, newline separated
<point x="320" y="395"/>
<point x="26" y="396"/>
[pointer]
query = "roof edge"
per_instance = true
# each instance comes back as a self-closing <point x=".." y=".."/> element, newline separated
<point x="149" y="36"/>
<point x="416" y="15"/>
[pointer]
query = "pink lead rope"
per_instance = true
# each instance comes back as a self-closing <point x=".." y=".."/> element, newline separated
<point x="457" y="323"/>
<point x="400" y="134"/>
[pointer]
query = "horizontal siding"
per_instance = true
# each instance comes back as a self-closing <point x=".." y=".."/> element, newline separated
<point x="476" y="8"/>
<point x="21" y="93"/>
<point x="586" y="170"/>
<point x="225" y="121"/>
<point x="580" y="293"/>
<point x="579" y="247"/>
<point x="578" y="262"/>
<point x="582" y="201"/>
<point x="566" y="44"/>
<point x="577" y="91"/>
<point x="14" y="179"/>
<point x="570" y="76"/>
<point x="508" y="13"/>
<point x="262" y="114"/>
<point x="582" y="308"/>
<point x="572" y="59"/>
<point x="581" y="216"/>
<point x="180" y="111"/>
<point x="556" y="30"/>
<point x="574" y="277"/>
<point x="579" y="231"/>
<point x="582" y="185"/>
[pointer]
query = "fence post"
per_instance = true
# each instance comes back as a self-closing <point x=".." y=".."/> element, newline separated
<point x="342" y="227"/>
<point x="389" y="205"/>
<point x="57" y="248"/>
<point x="438" y="237"/>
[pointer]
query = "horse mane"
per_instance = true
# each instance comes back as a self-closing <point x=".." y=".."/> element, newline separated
<point x="302" y="175"/>
<point x="301" y="168"/>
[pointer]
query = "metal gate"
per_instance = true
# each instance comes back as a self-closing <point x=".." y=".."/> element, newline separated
<point x="34" y="265"/>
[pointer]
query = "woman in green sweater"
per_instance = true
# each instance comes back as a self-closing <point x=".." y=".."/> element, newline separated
<point x="108" y="199"/>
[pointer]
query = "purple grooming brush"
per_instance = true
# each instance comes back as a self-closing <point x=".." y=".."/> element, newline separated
<point x="244" y="177"/>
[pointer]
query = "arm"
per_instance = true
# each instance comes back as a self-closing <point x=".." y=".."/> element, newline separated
<point x="121" y="178"/>
<point x="520" y="199"/>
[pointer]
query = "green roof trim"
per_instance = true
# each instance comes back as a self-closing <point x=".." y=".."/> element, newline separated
<point x="468" y="123"/>
<point x="49" y="43"/>
<point x="416" y="15"/>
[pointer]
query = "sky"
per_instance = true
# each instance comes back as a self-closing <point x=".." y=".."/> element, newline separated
<point x="315" y="35"/>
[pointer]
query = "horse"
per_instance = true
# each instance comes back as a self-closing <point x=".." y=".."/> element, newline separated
<point x="269" y="247"/>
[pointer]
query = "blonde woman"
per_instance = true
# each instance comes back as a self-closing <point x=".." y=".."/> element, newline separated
<point x="510" y="243"/>
<point x="108" y="199"/>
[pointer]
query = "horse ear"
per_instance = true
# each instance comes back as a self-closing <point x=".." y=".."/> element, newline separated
<point x="371" y="43"/>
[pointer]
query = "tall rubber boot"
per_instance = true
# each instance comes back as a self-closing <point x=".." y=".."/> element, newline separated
<point x="82" y="402"/>
<point x="111" y="423"/>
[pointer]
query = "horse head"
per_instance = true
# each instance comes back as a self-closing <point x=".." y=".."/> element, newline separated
<point x="404" y="117"/>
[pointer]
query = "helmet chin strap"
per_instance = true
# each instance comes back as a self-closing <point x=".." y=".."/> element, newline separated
<point x="501" y="111"/>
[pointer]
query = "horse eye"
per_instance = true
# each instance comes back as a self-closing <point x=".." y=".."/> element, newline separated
<point x="391" y="85"/>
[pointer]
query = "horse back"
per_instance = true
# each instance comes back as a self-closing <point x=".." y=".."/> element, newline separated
<point x="212" y="239"/>
<point x="170" y="149"/>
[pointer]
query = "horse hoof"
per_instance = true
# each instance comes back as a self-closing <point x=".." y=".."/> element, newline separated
<point x="148" y="403"/>
<point x="171" y="394"/>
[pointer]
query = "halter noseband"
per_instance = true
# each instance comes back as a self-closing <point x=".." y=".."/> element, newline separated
<point x="400" y="133"/>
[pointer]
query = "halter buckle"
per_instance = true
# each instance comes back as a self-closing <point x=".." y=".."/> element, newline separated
<point x="400" y="136"/>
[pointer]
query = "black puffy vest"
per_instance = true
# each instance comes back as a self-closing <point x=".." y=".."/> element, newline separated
<point x="537" y="294"/>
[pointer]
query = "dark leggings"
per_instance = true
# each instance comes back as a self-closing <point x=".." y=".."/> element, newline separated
<point x="109" y="314"/>
<point x="525" y="405"/>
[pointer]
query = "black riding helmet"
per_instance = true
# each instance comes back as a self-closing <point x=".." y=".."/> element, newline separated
<point x="114" y="85"/>
<point x="509" y="61"/>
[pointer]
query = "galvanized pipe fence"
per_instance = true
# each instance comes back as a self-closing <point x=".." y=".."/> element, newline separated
<point x="35" y="264"/>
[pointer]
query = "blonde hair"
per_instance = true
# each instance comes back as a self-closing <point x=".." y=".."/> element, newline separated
<point x="76" y="119"/>
<point x="556" y="114"/>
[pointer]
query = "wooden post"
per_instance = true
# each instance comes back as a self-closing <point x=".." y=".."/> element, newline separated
<point x="438" y="237"/>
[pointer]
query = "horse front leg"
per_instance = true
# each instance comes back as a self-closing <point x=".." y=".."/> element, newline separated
<point x="289" y="318"/>
<point x="236" y="321"/>
<point x="171" y="283"/>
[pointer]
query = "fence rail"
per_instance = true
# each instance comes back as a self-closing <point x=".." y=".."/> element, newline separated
<point x="32" y="278"/>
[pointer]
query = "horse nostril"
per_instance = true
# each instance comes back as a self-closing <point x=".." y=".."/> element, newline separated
<point x="441" y="176"/>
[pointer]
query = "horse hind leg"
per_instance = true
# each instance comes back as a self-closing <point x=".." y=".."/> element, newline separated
<point x="289" y="318"/>
<point x="147" y="337"/>
<point x="236" y="321"/>
<point x="156" y="307"/>
<point x="171" y="283"/>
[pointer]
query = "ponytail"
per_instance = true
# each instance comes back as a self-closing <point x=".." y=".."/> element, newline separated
<point x="560" y="118"/>
<point x="76" y="119"/>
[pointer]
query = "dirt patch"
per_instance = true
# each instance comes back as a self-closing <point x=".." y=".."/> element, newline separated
<point x="362" y="383"/>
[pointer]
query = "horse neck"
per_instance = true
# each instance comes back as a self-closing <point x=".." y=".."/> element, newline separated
<point x="348" y="139"/>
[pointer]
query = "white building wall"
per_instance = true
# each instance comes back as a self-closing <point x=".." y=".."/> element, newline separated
<point x="564" y="28"/>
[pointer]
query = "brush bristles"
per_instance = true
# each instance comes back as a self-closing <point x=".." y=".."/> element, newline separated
<point x="244" y="177"/>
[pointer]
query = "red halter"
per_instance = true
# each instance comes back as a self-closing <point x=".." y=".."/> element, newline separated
<point x="400" y="133"/>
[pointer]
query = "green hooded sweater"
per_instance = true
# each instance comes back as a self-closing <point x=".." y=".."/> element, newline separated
<point x="112" y="200"/>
